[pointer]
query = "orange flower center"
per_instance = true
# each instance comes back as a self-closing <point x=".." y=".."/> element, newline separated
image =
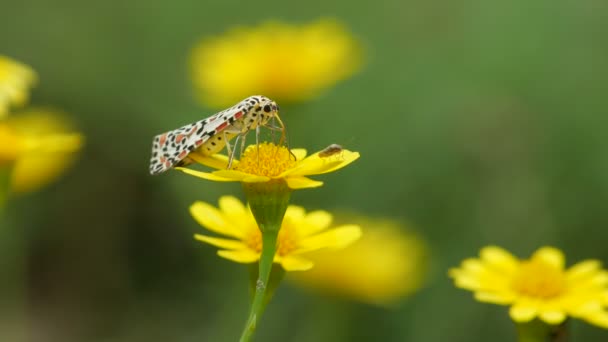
<point x="539" y="279"/>
<point x="287" y="240"/>
<point x="265" y="159"/>
<point x="254" y="240"/>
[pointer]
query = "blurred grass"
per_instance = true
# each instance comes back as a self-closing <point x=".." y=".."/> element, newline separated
<point x="480" y="122"/>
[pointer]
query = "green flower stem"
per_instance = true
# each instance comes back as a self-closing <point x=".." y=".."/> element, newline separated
<point x="269" y="241"/>
<point x="268" y="202"/>
<point x="13" y="256"/>
<point x="539" y="331"/>
<point x="5" y="177"/>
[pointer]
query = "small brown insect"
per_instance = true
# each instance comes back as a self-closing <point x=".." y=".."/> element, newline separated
<point x="331" y="150"/>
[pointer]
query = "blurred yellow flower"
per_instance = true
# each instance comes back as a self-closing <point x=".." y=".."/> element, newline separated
<point x="285" y="62"/>
<point x="15" y="81"/>
<point x="386" y="264"/>
<point x="266" y="162"/>
<point x="38" y="145"/>
<point x="537" y="287"/>
<point x="300" y="232"/>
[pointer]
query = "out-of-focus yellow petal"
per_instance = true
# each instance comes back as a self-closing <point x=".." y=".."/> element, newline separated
<point x="232" y="206"/>
<point x="243" y="256"/>
<point x="552" y="317"/>
<point x="523" y="312"/>
<point x="465" y="280"/>
<point x="551" y="256"/>
<point x="599" y="318"/>
<point x="305" y="59"/>
<point x="537" y="287"/>
<point x="48" y="146"/>
<point x="499" y="259"/>
<point x="384" y="265"/>
<point x="219" y="242"/>
<point x="15" y="80"/>
<point x="10" y="145"/>
<point x="235" y="220"/>
<point x="316" y="221"/>
<point x="583" y="269"/>
<point x="494" y="298"/>
<point x="214" y="220"/>
<point x="295" y="263"/>
<point x="339" y="237"/>
<point x="295" y="213"/>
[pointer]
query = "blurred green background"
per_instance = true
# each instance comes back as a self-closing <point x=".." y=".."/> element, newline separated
<point x="479" y="122"/>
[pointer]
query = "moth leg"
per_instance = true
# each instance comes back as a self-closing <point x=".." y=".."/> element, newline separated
<point x="228" y="147"/>
<point x="284" y="135"/>
<point x="257" y="143"/>
<point x="229" y="132"/>
<point x="243" y="143"/>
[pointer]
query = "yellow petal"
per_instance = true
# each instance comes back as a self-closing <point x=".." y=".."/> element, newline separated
<point x="499" y="259"/>
<point x="315" y="165"/>
<point x="294" y="263"/>
<point x="577" y="308"/>
<point x="216" y="161"/>
<point x="550" y="256"/>
<point x="583" y="269"/>
<point x="241" y="176"/>
<point x="316" y="221"/>
<point x="295" y="213"/>
<point x="552" y="317"/>
<point x="204" y="175"/>
<point x="302" y="183"/>
<point x="599" y="318"/>
<point x="232" y="206"/>
<point x="53" y="143"/>
<point x="32" y="171"/>
<point x="212" y="219"/>
<point x="473" y="266"/>
<point x="221" y="243"/>
<point x="339" y="237"/>
<point x="464" y="280"/>
<point x="522" y="312"/>
<point x="309" y="166"/>
<point x="494" y="298"/>
<point x="300" y="153"/>
<point x="243" y="256"/>
<point x="48" y="146"/>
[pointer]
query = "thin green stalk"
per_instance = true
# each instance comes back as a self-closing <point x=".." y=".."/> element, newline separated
<point x="538" y="331"/>
<point x="12" y="269"/>
<point x="269" y="246"/>
<point x="5" y="177"/>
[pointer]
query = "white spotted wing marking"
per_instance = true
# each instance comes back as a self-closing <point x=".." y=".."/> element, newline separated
<point x="172" y="148"/>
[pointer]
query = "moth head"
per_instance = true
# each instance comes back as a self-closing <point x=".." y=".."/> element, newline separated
<point x="269" y="107"/>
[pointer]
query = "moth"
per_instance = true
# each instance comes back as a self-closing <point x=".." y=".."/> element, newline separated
<point x="209" y="136"/>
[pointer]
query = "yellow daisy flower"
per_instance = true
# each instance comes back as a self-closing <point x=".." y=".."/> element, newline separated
<point x="300" y="233"/>
<point x="38" y="145"/>
<point x="266" y="162"/>
<point x="386" y="264"/>
<point x="539" y="287"/>
<point x="286" y="62"/>
<point x="15" y="81"/>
